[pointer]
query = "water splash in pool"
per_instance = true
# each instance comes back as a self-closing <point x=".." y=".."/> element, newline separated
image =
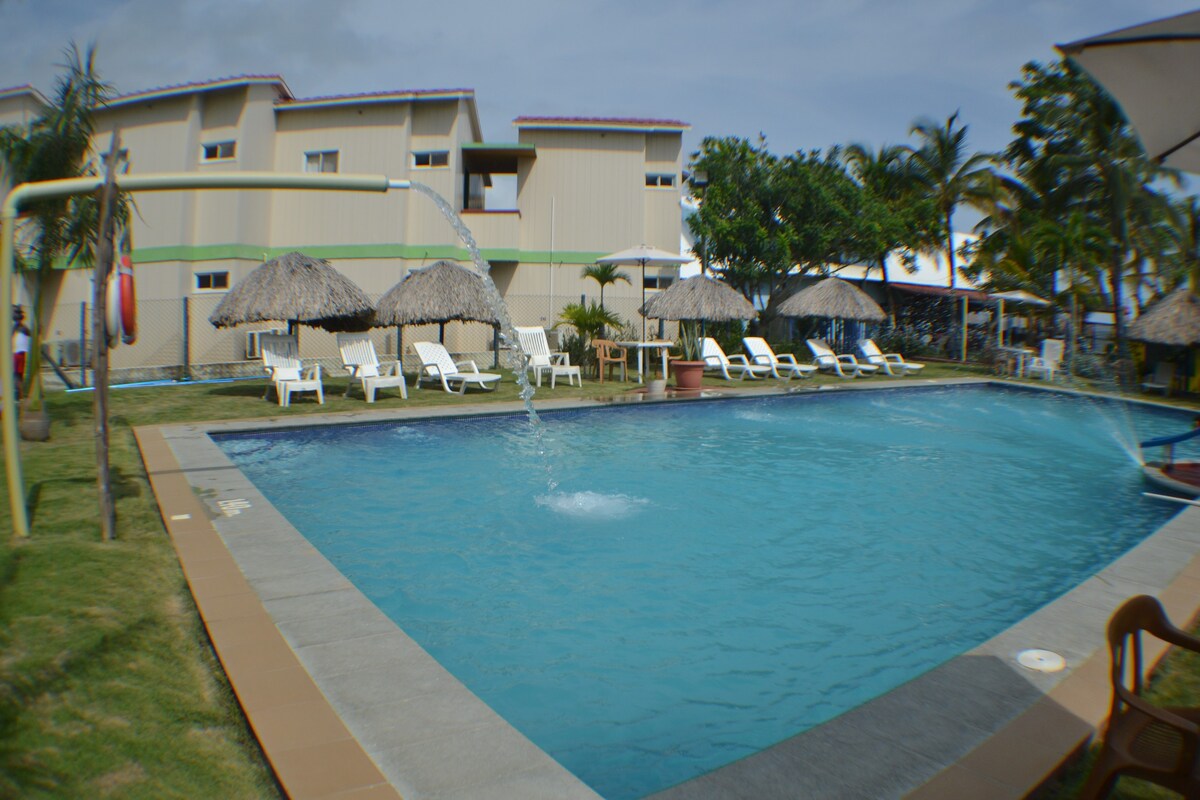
<point x="593" y="505"/>
<point x="508" y="336"/>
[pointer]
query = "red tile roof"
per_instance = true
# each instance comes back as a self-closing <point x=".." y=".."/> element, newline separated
<point x="600" y="122"/>
<point x="215" y="83"/>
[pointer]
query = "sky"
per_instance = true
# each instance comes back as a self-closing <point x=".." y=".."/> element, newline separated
<point x="804" y="73"/>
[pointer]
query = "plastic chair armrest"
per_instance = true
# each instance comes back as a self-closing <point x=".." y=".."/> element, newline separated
<point x="786" y="358"/>
<point x="1188" y="730"/>
<point x="461" y="364"/>
<point x="739" y="359"/>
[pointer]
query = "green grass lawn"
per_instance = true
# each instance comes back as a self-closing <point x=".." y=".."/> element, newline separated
<point x="108" y="685"/>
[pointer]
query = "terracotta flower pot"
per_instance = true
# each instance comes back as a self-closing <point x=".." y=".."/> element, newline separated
<point x="687" y="373"/>
<point x="34" y="426"/>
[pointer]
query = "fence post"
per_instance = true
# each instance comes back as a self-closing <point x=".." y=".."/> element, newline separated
<point x="83" y="359"/>
<point x="187" y="341"/>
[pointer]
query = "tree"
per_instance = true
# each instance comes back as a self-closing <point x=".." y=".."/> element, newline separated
<point x="949" y="176"/>
<point x="894" y="216"/>
<point x="56" y="144"/>
<point x="745" y="241"/>
<point x="1081" y="186"/>
<point x="604" y="274"/>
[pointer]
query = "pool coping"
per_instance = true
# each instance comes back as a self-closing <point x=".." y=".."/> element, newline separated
<point x="309" y="658"/>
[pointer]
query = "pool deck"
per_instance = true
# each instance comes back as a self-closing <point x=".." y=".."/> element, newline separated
<point x="346" y="705"/>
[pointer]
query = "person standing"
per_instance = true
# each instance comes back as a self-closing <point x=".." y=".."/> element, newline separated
<point x="21" y="342"/>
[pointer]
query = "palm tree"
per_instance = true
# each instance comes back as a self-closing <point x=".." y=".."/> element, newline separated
<point x="886" y="178"/>
<point x="949" y="176"/>
<point x="56" y="144"/>
<point x="604" y="274"/>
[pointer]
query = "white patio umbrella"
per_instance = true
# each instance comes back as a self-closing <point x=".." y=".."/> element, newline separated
<point x="1151" y="69"/>
<point x="1017" y="297"/>
<point x="644" y="256"/>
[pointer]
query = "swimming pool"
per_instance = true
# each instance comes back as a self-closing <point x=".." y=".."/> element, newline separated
<point x="683" y="608"/>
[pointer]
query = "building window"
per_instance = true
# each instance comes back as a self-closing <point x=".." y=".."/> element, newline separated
<point x="218" y="151"/>
<point x="432" y="158"/>
<point x="212" y="281"/>
<point x="659" y="179"/>
<point x="321" y="161"/>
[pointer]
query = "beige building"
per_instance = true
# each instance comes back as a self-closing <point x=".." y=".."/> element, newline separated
<point x="567" y="191"/>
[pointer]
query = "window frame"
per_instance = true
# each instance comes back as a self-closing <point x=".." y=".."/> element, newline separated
<point x="210" y="274"/>
<point x="429" y="156"/>
<point x="322" y="156"/>
<point x="654" y="180"/>
<point x="217" y="151"/>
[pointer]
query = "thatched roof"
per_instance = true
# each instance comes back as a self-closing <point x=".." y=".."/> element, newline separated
<point x="832" y="298"/>
<point x="296" y="288"/>
<point x="1174" y="320"/>
<point x="699" y="298"/>
<point x="442" y="292"/>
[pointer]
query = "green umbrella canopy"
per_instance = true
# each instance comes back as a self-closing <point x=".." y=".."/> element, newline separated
<point x="295" y="288"/>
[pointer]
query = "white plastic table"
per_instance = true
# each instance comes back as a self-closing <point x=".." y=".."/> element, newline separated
<point x="641" y="347"/>
<point x="1021" y="353"/>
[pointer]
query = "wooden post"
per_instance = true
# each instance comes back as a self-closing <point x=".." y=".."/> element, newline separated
<point x="104" y="262"/>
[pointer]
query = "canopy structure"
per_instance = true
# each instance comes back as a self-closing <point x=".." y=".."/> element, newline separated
<point x="442" y="292"/>
<point x="833" y="298"/>
<point x="1150" y="69"/>
<point x="1018" y="297"/>
<point x="1172" y="320"/>
<point x="644" y="256"/>
<point x="299" y="290"/>
<point x="699" y="298"/>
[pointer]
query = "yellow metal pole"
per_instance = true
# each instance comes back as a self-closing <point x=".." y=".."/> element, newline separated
<point x="964" y="341"/>
<point x="12" y="453"/>
<point x="1000" y="325"/>
<point x="125" y="183"/>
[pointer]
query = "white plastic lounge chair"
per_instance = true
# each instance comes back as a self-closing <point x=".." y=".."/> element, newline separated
<point x="282" y="364"/>
<point x="1048" y="362"/>
<point x="715" y="359"/>
<point x="437" y="365"/>
<point x="844" y="365"/>
<point x="1162" y="379"/>
<point x="359" y="359"/>
<point x="891" y="363"/>
<point x="785" y="366"/>
<point x="533" y="342"/>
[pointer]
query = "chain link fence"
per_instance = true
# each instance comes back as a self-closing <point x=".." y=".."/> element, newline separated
<point x="175" y="340"/>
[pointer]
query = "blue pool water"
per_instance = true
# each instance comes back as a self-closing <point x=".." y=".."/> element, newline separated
<point x="710" y="578"/>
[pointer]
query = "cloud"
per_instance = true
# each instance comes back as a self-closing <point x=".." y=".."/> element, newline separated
<point x="807" y="74"/>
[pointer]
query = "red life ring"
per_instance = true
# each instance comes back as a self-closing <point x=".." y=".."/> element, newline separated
<point x="112" y="310"/>
<point x="128" y="301"/>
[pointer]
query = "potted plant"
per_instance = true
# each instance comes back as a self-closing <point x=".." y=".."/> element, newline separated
<point x="689" y="368"/>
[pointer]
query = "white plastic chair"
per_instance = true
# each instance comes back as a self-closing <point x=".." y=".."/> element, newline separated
<point x="891" y="363"/>
<point x="783" y="366"/>
<point x="541" y="359"/>
<point x="1049" y="362"/>
<point x="1162" y="380"/>
<point x="359" y="359"/>
<point x="715" y="359"/>
<point x="437" y="365"/>
<point x="281" y="361"/>
<point x="844" y="365"/>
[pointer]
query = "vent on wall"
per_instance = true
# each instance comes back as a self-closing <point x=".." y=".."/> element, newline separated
<point x="252" y="347"/>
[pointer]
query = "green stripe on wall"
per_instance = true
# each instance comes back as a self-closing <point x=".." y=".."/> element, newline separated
<point x="334" y="252"/>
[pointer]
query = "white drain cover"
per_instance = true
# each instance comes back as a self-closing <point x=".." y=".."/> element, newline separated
<point x="1041" y="660"/>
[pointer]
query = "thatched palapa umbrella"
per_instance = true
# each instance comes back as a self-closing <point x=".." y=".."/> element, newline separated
<point x="298" y="290"/>
<point x="442" y="292"/>
<point x="835" y="299"/>
<point x="699" y="298"/>
<point x="1173" y="320"/>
